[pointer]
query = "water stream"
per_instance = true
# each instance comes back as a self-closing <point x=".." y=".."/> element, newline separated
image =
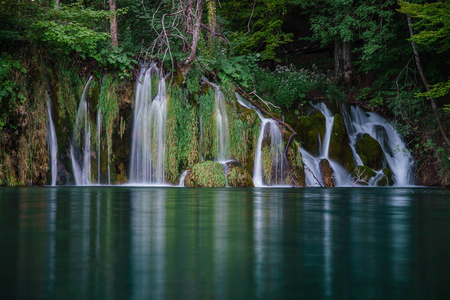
<point x="148" y="145"/>
<point x="268" y="128"/>
<point x="52" y="143"/>
<point x="397" y="156"/>
<point x="80" y="150"/>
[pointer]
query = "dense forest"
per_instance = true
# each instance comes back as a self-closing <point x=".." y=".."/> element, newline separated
<point x="281" y="56"/>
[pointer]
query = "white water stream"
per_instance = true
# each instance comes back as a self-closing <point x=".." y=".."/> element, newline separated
<point x="148" y="145"/>
<point x="276" y="147"/>
<point x="80" y="150"/>
<point x="52" y="143"/>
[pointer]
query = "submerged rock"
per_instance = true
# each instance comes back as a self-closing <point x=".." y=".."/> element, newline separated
<point x="206" y="174"/>
<point x="327" y="173"/>
<point x="370" y="152"/>
<point x="238" y="176"/>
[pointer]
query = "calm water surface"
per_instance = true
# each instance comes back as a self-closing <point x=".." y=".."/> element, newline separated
<point x="174" y="243"/>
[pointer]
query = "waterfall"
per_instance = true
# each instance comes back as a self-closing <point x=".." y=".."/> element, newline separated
<point x="99" y="128"/>
<point x="341" y="176"/>
<point x="276" y="147"/>
<point x="81" y="157"/>
<point x="223" y="134"/>
<point x="398" y="158"/>
<point x="182" y="178"/>
<point x="52" y="143"/>
<point x="148" y="146"/>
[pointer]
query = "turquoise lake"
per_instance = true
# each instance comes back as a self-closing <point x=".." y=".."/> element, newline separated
<point x="262" y="243"/>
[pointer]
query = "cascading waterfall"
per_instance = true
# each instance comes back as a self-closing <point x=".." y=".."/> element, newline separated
<point x="276" y="147"/>
<point x="398" y="158"/>
<point x="149" y="129"/>
<point x="223" y="134"/>
<point x="81" y="156"/>
<point x="341" y="176"/>
<point x="52" y="143"/>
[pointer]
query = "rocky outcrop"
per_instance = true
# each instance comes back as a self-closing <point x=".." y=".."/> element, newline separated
<point x="370" y="152"/>
<point x="340" y="150"/>
<point x="327" y="173"/>
<point x="238" y="176"/>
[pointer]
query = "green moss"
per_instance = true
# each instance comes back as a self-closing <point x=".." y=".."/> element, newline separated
<point x="294" y="158"/>
<point x="267" y="164"/>
<point x="183" y="137"/>
<point x="209" y="124"/>
<point x="340" y="150"/>
<point x="387" y="179"/>
<point x="206" y="174"/>
<point x="370" y="152"/>
<point x="308" y="130"/>
<point x="362" y="175"/>
<point x="238" y="177"/>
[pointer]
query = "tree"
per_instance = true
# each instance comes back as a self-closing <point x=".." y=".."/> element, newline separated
<point x="435" y="17"/>
<point x="113" y="30"/>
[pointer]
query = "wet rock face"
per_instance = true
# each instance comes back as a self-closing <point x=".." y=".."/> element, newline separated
<point x="309" y="129"/>
<point x="370" y="152"/>
<point x="206" y="174"/>
<point x="387" y="179"/>
<point x="238" y="176"/>
<point x="340" y="150"/>
<point x="327" y="173"/>
<point x="297" y="168"/>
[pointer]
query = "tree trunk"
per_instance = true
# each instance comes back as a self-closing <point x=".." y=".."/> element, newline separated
<point x="196" y="32"/>
<point x="343" y="68"/>
<point x="425" y="82"/>
<point x="113" y="30"/>
<point x="212" y="15"/>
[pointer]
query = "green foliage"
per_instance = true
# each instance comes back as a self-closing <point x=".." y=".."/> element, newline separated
<point x="258" y="25"/>
<point x="288" y="86"/>
<point x="208" y="116"/>
<point x="183" y="149"/>
<point x="206" y="174"/>
<point x="109" y="105"/>
<point x="434" y="23"/>
<point x="10" y="94"/>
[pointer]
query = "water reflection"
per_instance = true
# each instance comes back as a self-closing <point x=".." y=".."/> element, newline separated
<point x="158" y="243"/>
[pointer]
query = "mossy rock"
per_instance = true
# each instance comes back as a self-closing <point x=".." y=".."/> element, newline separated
<point x="297" y="168"/>
<point x="340" y="150"/>
<point x="387" y="179"/>
<point x="327" y="173"/>
<point x="362" y="175"/>
<point x="308" y="130"/>
<point x="370" y="152"/>
<point x="238" y="176"/>
<point x="206" y="174"/>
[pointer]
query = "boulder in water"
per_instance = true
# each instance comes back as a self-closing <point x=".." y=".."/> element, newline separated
<point x="362" y="175"/>
<point x="206" y="174"/>
<point x="387" y="179"/>
<point x="370" y="152"/>
<point x="238" y="176"/>
<point x="327" y="173"/>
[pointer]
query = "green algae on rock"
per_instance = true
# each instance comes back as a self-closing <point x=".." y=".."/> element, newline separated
<point x="206" y="174"/>
<point x="370" y="152"/>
